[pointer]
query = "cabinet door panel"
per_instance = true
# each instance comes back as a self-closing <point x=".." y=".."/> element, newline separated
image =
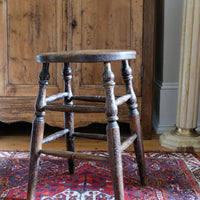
<point x="31" y="27"/>
<point x="114" y="24"/>
<point x="27" y="29"/>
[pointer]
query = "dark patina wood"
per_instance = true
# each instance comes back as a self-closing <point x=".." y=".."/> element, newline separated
<point x="103" y="137"/>
<point x="75" y="108"/>
<point x="86" y="56"/>
<point x="112" y="129"/>
<point x="56" y="97"/>
<point x="68" y="115"/>
<point x="74" y="155"/>
<point x="134" y="120"/>
<point x="37" y="131"/>
<point x="55" y="136"/>
<point x="126" y="143"/>
<point x="89" y="98"/>
<point x="90" y="136"/>
<point x="68" y="108"/>
<point x="123" y="99"/>
<point x="149" y="39"/>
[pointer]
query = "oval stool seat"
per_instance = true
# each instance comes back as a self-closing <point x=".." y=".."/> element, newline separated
<point x="86" y="56"/>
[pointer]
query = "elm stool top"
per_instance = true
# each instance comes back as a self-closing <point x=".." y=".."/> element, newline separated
<point x="86" y="56"/>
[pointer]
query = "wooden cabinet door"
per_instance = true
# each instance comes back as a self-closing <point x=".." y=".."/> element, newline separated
<point x="27" y="29"/>
<point x="103" y="24"/>
<point x="31" y="27"/>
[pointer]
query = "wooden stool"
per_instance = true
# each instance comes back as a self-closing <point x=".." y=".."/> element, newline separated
<point x="113" y="134"/>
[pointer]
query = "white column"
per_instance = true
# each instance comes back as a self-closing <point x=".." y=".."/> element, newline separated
<point x="185" y="137"/>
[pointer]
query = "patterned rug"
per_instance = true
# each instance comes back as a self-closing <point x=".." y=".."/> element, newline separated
<point x="170" y="175"/>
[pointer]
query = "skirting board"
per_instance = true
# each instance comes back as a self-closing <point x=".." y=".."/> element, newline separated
<point x="165" y="107"/>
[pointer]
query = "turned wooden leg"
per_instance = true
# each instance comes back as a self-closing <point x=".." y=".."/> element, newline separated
<point x="36" y="145"/>
<point x="113" y="134"/>
<point x="115" y="159"/>
<point x="134" y="121"/>
<point x="37" y="132"/>
<point x="138" y="145"/>
<point x="69" y="116"/>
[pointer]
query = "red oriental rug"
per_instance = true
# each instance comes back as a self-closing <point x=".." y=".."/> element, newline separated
<point x="170" y="175"/>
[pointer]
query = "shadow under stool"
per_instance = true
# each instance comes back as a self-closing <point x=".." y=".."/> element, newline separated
<point x="115" y="146"/>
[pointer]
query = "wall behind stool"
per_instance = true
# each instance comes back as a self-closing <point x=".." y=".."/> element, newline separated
<point x="167" y="62"/>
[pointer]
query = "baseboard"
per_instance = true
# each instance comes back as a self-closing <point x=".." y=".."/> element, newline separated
<point x="166" y="85"/>
<point x="160" y="129"/>
<point x="165" y="106"/>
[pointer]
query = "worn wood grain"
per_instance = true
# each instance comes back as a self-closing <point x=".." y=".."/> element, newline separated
<point x="54" y="136"/>
<point x="32" y="27"/>
<point x="148" y="63"/>
<point x="86" y="56"/>
<point x="74" y="155"/>
<point x="25" y="25"/>
<point x="100" y="26"/>
<point x="10" y="112"/>
<point x="129" y="141"/>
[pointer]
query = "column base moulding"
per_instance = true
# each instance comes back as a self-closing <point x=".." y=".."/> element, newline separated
<point x="181" y="140"/>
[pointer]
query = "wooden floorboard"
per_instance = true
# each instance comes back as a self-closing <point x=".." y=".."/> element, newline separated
<point x="17" y="137"/>
<point x="19" y="142"/>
